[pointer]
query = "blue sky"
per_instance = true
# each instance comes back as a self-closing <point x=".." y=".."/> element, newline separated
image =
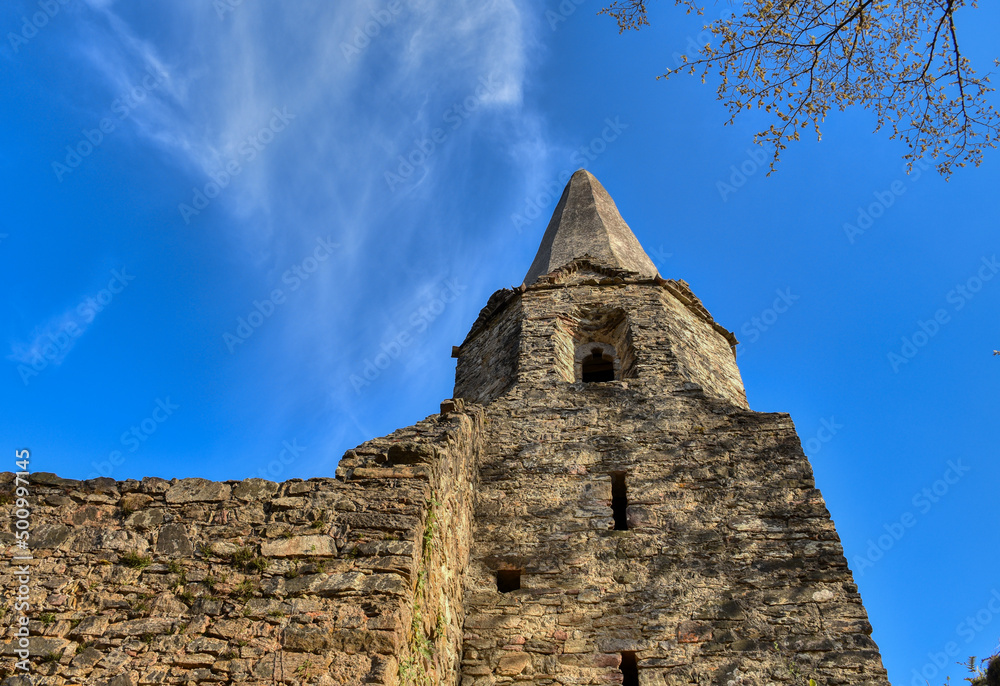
<point x="210" y="230"/>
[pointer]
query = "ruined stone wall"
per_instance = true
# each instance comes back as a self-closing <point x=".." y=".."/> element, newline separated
<point x="701" y="354"/>
<point x="676" y="341"/>
<point x="328" y="581"/>
<point x="527" y="336"/>
<point x="488" y="363"/>
<point x="730" y="570"/>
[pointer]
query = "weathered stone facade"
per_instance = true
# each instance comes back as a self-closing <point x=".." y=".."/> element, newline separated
<point x="729" y="571"/>
<point x="600" y="506"/>
<point x="327" y="581"/>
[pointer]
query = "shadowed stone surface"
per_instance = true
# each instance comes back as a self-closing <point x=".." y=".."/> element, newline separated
<point x="586" y="223"/>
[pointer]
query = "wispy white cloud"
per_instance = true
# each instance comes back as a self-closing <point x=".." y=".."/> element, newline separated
<point x="226" y="75"/>
<point x="51" y="341"/>
<point x="356" y="111"/>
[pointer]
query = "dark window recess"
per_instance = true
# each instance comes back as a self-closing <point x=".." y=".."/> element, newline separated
<point x="596" y="367"/>
<point x="619" y="501"/>
<point x="630" y="669"/>
<point x="508" y="580"/>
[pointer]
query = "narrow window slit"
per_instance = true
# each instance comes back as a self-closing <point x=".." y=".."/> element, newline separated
<point x="619" y="501"/>
<point x="629" y="669"/>
<point x="597" y="367"/>
<point x="508" y="580"/>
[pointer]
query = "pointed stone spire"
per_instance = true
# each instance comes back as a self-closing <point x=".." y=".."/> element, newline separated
<point x="587" y="223"/>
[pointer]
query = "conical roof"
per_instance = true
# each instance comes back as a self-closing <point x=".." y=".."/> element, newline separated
<point x="586" y="223"/>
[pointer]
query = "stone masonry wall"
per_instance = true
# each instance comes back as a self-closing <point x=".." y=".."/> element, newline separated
<point x="328" y="581"/>
<point x="730" y="570"/>
<point x="516" y="337"/>
<point x="673" y="342"/>
<point x="487" y="365"/>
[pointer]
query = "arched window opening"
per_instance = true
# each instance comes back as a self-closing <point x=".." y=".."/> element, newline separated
<point x="629" y="669"/>
<point x="598" y="367"/>
<point x="619" y="501"/>
<point x="600" y="342"/>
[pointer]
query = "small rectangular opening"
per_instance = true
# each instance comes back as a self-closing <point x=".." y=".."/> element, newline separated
<point x="597" y="367"/>
<point x="508" y="580"/>
<point x="630" y="669"/>
<point x="619" y="501"/>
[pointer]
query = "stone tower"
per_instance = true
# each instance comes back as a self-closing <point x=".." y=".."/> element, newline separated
<point x="634" y="521"/>
<point x="596" y="505"/>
